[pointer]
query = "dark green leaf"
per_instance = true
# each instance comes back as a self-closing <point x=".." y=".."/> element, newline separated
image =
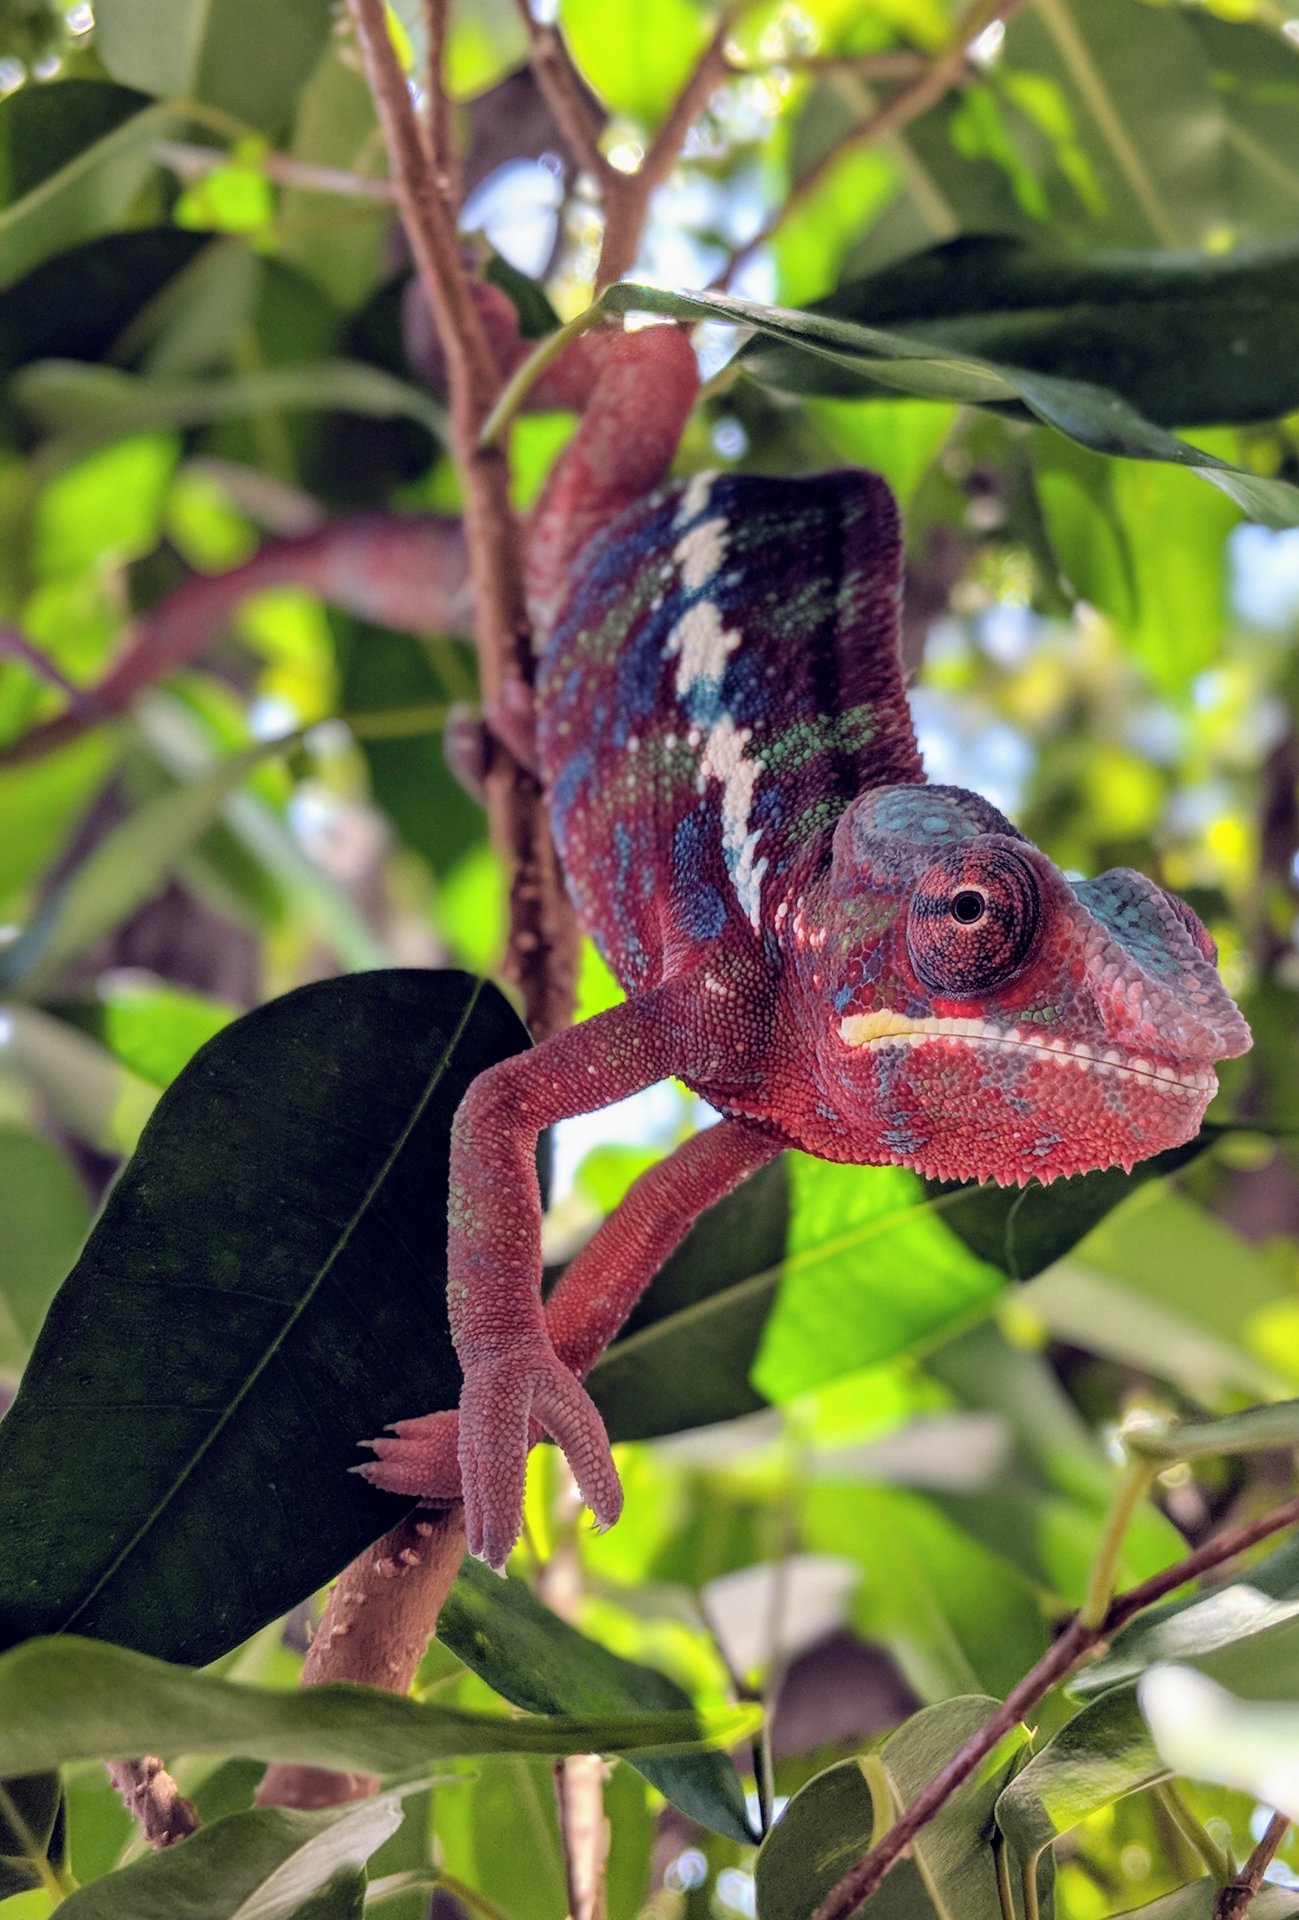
<point x="75" y="306"/>
<point x="72" y="157"/>
<point x="1188" y="339"/>
<point x="242" y="57"/>
<point x="1024" y="1229"/>
<point x="264" y="1290"/>
<point x="1095" y="416"/>
<point x="280" y="1864"/>
<point x="31" y="1829"/>
<point x="683" y="1358"/>
<point x="826" y="1828"/>
<point x="72" y="1699"/>
<point x="523" y="1650"/>
<point x="1257" y="1430"/>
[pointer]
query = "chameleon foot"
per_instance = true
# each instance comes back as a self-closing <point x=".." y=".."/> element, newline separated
<point x="501" y="1398"/>
<point x="419" y="1460"/>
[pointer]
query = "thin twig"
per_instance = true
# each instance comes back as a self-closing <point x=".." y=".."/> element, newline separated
<point x="1069" y="1650"/>
<point x="940" y="75"/>
<point x="1236" y="1898"/>
<point x="191" y="162"/>
<point x="149" y="1792"/>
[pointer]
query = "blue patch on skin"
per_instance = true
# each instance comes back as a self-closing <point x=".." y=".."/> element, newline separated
<point x="567" y="788"/>
<point x="902" y="1140"/>
<point x="914" y="811"/>
<point x="699" y="906"/>
<point x="1138" y="920"/>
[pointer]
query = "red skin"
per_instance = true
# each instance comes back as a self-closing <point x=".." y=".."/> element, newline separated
<point x="834" y="882"/>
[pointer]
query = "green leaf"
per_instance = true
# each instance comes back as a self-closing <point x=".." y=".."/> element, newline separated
<point x="525" y="1652"/>
<point x="840" y="1308"/>
<point x="240" y="57"/>
<point x="91" y="404"/>
<point x="272" y="1862"/>
<point x="683" y="1358"/>
<point x="636" y="54"/>
<point x="44" y="1215"/>
<point x="1101" y="1754"/>
<point x="1023" y="1230"/>
<point x="1092" y="415"/>
<point x="31" y="1830"/>
<point x="1261" y="1605"/>
<point x="825" y="1829"/>
<point x="73" y="156"/>
<point x="1199" y="1902"/>
<point x="124" y="870"/>
<point x="1207" y="1733"/>
<point x="267" y="1280"/>
<point x="955" y="1615"/>
<point x="1188" y="339"/>
<point x="72" y="1699"/>
<point x="1254" y="73"/>
<point x="75" y="306"/>
<point x="153" y="1029"/>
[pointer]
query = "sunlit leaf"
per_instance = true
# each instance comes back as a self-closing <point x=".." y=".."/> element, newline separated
<point x="44" y="1215"/>
<point x="274" y="1862"/>
<point x="1206" y="1732"/>
<point x="72" y="1699"/>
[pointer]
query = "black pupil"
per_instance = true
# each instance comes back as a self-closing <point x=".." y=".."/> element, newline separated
<point x="967" y="907"/>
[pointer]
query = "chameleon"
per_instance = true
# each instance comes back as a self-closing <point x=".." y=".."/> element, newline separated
<point x="835" y="954"/>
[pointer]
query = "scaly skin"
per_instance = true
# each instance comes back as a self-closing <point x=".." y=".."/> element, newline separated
<point x="836" y="955"/>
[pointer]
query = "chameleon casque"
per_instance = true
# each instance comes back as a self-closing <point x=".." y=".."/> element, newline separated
<point x="836" y="955"/>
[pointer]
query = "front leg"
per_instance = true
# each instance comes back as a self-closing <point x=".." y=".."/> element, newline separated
<point x="512" y="1373"/>
<point x="597" y="1290"/>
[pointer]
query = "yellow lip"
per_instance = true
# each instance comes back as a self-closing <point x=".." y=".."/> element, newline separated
<point x="869" y="1029"/>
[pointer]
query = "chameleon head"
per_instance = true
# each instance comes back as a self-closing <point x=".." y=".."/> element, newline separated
<point x="990" y="1019"/>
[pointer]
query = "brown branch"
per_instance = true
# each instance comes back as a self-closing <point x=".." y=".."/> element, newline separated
<point x="542" y="952"/>
<point x="561" y="87"/>
<point x="374" y="1631"/>
<point x="627" y="196"/>
<point x="940" y="75"/>
<point x="150" y="1793"/>
<point x="441" y="114"/>
<point x="1236" y="1898"/>
<point x="1068" y="1651"/>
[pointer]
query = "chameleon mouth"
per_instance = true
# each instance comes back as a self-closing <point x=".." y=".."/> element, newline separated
<point x="885" y="1029"/>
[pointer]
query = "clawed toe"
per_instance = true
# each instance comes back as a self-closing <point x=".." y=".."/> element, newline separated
<point x="418" y="1459"/>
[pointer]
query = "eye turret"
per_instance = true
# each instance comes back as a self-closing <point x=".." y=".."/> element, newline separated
<point x="973" y="920"/>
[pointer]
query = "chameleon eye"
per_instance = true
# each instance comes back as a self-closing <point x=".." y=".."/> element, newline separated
<point x="973" y="920"/>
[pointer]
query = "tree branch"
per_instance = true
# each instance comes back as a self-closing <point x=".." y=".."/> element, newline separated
<point x="441" y="124"/>
<point x="1236" y="1898"/>
<point x="627" y="195"/>
<point x="562" y="89"/>
<point x="940" y="75"/>
<point x="1077" y="1640"/>
<point x="376" y="1626"/>
<point x="149" y="1792"/>
<point x="542" y="953"/>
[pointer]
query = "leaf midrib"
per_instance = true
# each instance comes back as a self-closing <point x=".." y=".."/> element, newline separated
<point x="272" y="1349"/>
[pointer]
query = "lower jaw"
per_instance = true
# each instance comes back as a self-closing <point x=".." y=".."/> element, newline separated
<point x="1027" y="1115"/>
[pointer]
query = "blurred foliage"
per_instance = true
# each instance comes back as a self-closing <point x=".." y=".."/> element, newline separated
<point x="891" y="1409"/>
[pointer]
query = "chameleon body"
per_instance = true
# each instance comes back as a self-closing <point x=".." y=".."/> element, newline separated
<point x="836" y="955"/>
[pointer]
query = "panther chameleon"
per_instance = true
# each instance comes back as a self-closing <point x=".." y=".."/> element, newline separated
<point x="836" y="955"/>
